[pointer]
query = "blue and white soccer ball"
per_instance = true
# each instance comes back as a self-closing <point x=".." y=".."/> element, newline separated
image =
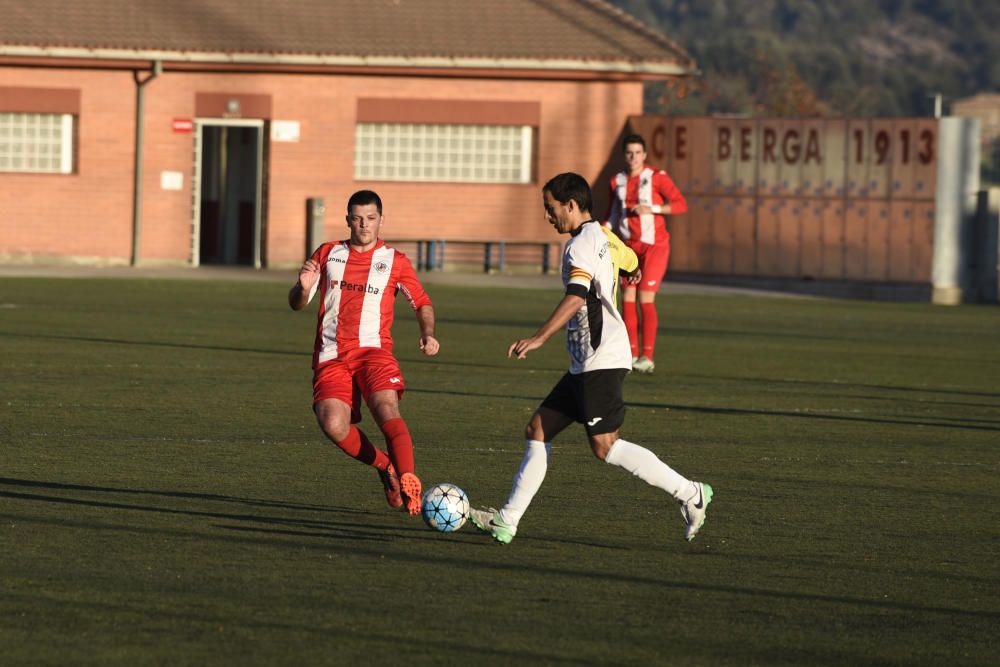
<point x="445" y="507"/>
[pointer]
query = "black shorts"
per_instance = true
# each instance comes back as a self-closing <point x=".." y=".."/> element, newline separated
<point x="593" y="399"/>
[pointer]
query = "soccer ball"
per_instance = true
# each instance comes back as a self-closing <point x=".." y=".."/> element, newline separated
<point x="445" y="507"/>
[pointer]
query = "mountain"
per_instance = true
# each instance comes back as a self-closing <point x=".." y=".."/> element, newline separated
<point x="825" y="57"/>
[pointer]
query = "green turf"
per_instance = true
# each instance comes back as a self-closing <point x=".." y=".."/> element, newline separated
<point x="166" y="496"/>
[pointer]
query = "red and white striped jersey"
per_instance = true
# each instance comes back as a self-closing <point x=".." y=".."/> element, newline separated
<point x="357" y="295"/>
<point x="652" y="187"/>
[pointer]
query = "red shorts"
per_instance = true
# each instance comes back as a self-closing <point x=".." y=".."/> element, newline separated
<point x="356" y="376"/>
<point x="653" y="260"/>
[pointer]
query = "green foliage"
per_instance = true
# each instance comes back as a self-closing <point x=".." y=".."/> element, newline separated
<point x="825" y="57"/>
<point x="167" y="498"/>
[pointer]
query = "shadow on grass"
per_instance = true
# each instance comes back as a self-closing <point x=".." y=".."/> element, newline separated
<point x="148" y="343"/>
<point x="277" y="531"/>
<point x="306" y="352"/>
<point x="847" y="385"/>
<point x="6" y="481"/>
<point x="941" y="422"/>
<point x="344" y="528"/>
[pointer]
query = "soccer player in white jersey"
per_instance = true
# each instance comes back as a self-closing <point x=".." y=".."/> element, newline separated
<point x="357" y="280"/>
<point x="600" y="357"/>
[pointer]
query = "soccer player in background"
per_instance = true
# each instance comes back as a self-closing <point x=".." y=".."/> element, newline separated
<point x="640" y="198"/>
<point x="357" y="280"/>
<point x="591" y="392"/>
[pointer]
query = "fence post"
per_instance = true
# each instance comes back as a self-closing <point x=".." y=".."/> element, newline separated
<point x="487" y="256"/>
<point x="546" y="265"/>
<point x="315" y="213"/>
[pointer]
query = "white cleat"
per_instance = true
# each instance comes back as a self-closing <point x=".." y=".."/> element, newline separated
<point x="643" y="365"/>
<point x="694" y="509"/>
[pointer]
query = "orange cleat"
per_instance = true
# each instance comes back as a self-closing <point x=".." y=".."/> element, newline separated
<point x="411" y="492"/>
<point x="391" y="483"/>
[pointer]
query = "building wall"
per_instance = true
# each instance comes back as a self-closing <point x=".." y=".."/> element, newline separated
<point x="88" y="215"/>
<point x="986" y="108"/>
<point x="845" y="199"/>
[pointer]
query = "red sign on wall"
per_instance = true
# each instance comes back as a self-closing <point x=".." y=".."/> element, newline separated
<point x="183" y="125"/>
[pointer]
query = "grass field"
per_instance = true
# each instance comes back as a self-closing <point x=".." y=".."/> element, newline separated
<point x="167" y="499"/>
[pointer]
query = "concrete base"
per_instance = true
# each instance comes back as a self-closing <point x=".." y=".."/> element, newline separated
<point x="946" y="296"/>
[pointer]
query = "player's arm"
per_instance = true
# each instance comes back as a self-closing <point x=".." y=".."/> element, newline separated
<point x="303" y="289"/>
<point x="674" y="202"/>
<point x="413" y="290"/>
<point x="429" y="345"/>
<point x="629" y="267"/>
<point x="567" y="308"/>
<point x="623" y="258"/>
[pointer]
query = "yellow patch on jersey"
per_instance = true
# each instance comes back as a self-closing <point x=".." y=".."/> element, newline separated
<point x="623" y="258"/>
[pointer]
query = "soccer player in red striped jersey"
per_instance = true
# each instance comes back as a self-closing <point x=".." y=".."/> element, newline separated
<point x="641" y="197"/>
<point x="357" y="280"/>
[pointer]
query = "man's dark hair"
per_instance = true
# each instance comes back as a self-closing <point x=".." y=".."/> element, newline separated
<point x="363" y="198"/>
<point x="633" y="139"/>
<point x="570" y="186"/>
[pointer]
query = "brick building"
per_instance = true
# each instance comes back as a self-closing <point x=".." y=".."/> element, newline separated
<point x="985" y="107"/>
<point x="454" y="110"/>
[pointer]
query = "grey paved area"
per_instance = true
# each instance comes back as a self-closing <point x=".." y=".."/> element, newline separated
<point x="467" y="279"/>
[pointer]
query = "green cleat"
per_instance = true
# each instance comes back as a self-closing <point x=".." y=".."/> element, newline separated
<point x="490" y="521"/>
<point x="695" y="508"/>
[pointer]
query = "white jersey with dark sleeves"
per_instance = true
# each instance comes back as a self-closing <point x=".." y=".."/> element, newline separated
<point x="596" y="337"/>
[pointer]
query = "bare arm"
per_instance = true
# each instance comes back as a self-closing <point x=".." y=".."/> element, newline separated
<point x="425" y="318"/>
<point x="298" y="296"/>
<point x="566" y="309"/>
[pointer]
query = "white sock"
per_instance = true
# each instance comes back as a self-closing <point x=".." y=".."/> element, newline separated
<point x="645" y="465"/>
<point x="527" y="481"/>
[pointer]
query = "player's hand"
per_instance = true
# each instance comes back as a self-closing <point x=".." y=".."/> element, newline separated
<point x="521" y="347"/>
<point x="429" y="345"/>
<point x="633" y="278"/>
<point x="309" y="274"/>
<point x="641" y="209"/>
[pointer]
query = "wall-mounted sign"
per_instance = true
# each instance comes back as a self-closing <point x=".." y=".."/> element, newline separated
<point x="183" y="125"/>
<point x="171" y="180"/>
<point x="285" y="130"/>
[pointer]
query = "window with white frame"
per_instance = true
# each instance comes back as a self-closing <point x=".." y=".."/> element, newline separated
<point x="36" y="142"/>
<point x="444" y="153"/>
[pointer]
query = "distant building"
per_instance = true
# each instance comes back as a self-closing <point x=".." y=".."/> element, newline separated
<point x="454" y="110"/>
<point x="985" y="107"/>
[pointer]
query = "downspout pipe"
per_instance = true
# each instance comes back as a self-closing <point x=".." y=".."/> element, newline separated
<point x="140" y="99"/>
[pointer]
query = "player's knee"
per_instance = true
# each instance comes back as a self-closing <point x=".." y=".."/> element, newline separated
<point x="333" y="426"/>
<point x="384" y="406"/>
<point x="600" y="445"/>
<point x="533" y="431"/>
<point x="600" y="450"/>
<point x="386" y="414"/>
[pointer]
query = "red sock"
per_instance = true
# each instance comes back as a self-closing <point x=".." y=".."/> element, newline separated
<point x="631" y="317"/>
<point x="397" y="437"/>
<point x="358" y="446"/>
<point x="649" y="323"/>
